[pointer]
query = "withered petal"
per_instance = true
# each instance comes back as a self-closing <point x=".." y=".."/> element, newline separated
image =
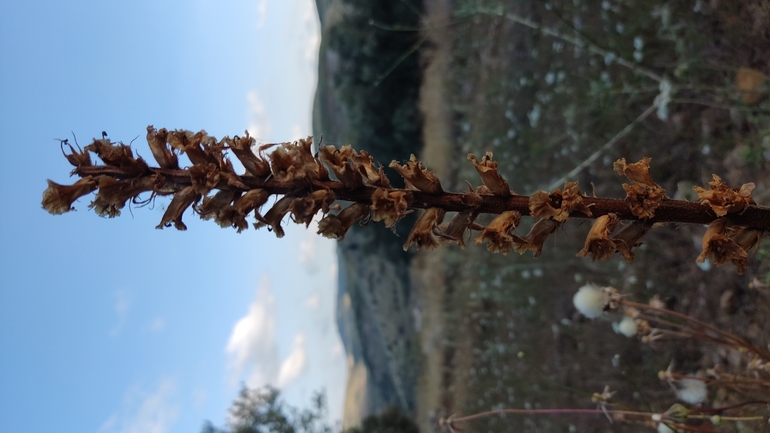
<point x="598" y="243"/>
<point x="536" y="237"/>
<point x="628" y="237"/>
<point x="498" y="232"/>
<point x="335" y="226"/>
<point x="720" y="248"/>
<point x="274" y="216"/>
<point x="421" y="233"/>
<point x="181" y="201"/>
<point x="390" y="206"/>
<point x="723" y="199"/>
<point x="417" y="176"/>
<point x="58" y="199"/>
<point x="164" y="155"/>
<point x="454" y="230"/>
<point x="363" y="163"/>
<point x="304" y="209"/>
<point x="491" y="178"/>
<point x="339" y="161"/>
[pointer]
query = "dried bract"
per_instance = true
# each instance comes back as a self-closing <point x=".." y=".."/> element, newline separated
<point x="58" y="199"/>
<point x="719" y="248"/>
<point x="643" y="195"/>
<point x="417" y="177"/>
<point x="363" y="163"/>
<point x="536" y="237"/>
<point x="628" y="238"/>
<point x="335" y="226"/>
<point x="339" y="161"/>
<point x="181" y="201"/>
<point x="78" y="158"/>
<point x="241" y="147"/>
<point x="157" y="140"/>
<point x="498" y="232"/>
<point x="492" y="179"/>
<point x="723" y="199"/>
<point x="453" y="231"/>
<point x="559" y="204"/>
<point x="118" y="156"/>
<point x="421" y="233"/>
<point x="293" y="162"/>
<point x="113" y="194"/>
<point x="390" y="206"/>
<point x="235" y="215"/>
<point x="598" y="243"/>
<point x="304" y="209"/>
<point x="204" y="177"/>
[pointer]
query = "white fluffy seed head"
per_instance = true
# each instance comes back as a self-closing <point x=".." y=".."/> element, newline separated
<point x="627" y="327"/>
<point x="663" y="428"/>
<point x="590" y="301"/>
<point x="691" y="391"/>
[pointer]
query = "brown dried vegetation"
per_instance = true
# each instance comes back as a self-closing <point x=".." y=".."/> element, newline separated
<point x="291" y="170"/>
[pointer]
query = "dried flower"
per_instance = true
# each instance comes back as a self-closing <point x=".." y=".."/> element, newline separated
<point x="453" y="231"/>
<point x="598" y="243"/>
<point x="422" y="232"/>
<point x="643" y="195"/>
<point x="274" y="216"/>
<point x="417" y="177"/>
<point x="58" y="199"/>
<point x="723" y="199"/>
<point x="304" y="209"/>
<point x="363" y="163"/>
<point x="113" y="194"/>
<point x="204" y="177"/>
<point x="235" y="215"/>
<point x="491" y="178"/>
<point x="242" y="148"/>
<point x="559" y="204"/>
<point x="165" y="156"/>
<point x="720" y="248"/>
<point x="339" y="161"/>
<point x="390" y="206"/>
<point x="536" y="237"/>
<point x="498" y="232"/>
<point x="628" y="238"/>
<point x="181" y="201"/>
<point x="335" y="226"/>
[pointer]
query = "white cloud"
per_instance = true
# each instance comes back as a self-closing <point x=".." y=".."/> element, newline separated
<point x="295" y="364"/>
<point x="251" y="346"/>
<point x="158" y="324"/>
<point x="123" y="303"/>
<point x="313" y="301"/>
<point x="259" y="124"/>
<point x="144" y="413"/>
<point x="261" y="13"/>
<point x="312" y="30"/>
<point x="308" y="250"/>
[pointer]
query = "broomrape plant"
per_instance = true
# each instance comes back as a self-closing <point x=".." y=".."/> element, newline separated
<point x="303" y="181"/>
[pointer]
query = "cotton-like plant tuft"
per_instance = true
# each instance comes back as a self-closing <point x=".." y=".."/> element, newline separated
<point x="627" y="326"/>
<point x="590" y="300"/>
<point x="691" y="391"/>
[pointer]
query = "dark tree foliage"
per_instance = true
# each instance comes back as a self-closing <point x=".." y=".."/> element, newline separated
<point x="379" y="80"/>
<point x="262" y="411"/>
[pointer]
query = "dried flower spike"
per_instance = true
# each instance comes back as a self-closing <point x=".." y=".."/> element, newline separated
<point x="422" y="232"/>
<point x="417" y="177"/>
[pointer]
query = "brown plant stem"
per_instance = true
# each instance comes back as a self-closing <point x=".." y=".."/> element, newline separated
<point x="755" y="217"/>
<point x="729" y="337"/>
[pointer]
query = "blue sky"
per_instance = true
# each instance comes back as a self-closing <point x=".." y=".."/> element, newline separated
<point x="111" y="326"/>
